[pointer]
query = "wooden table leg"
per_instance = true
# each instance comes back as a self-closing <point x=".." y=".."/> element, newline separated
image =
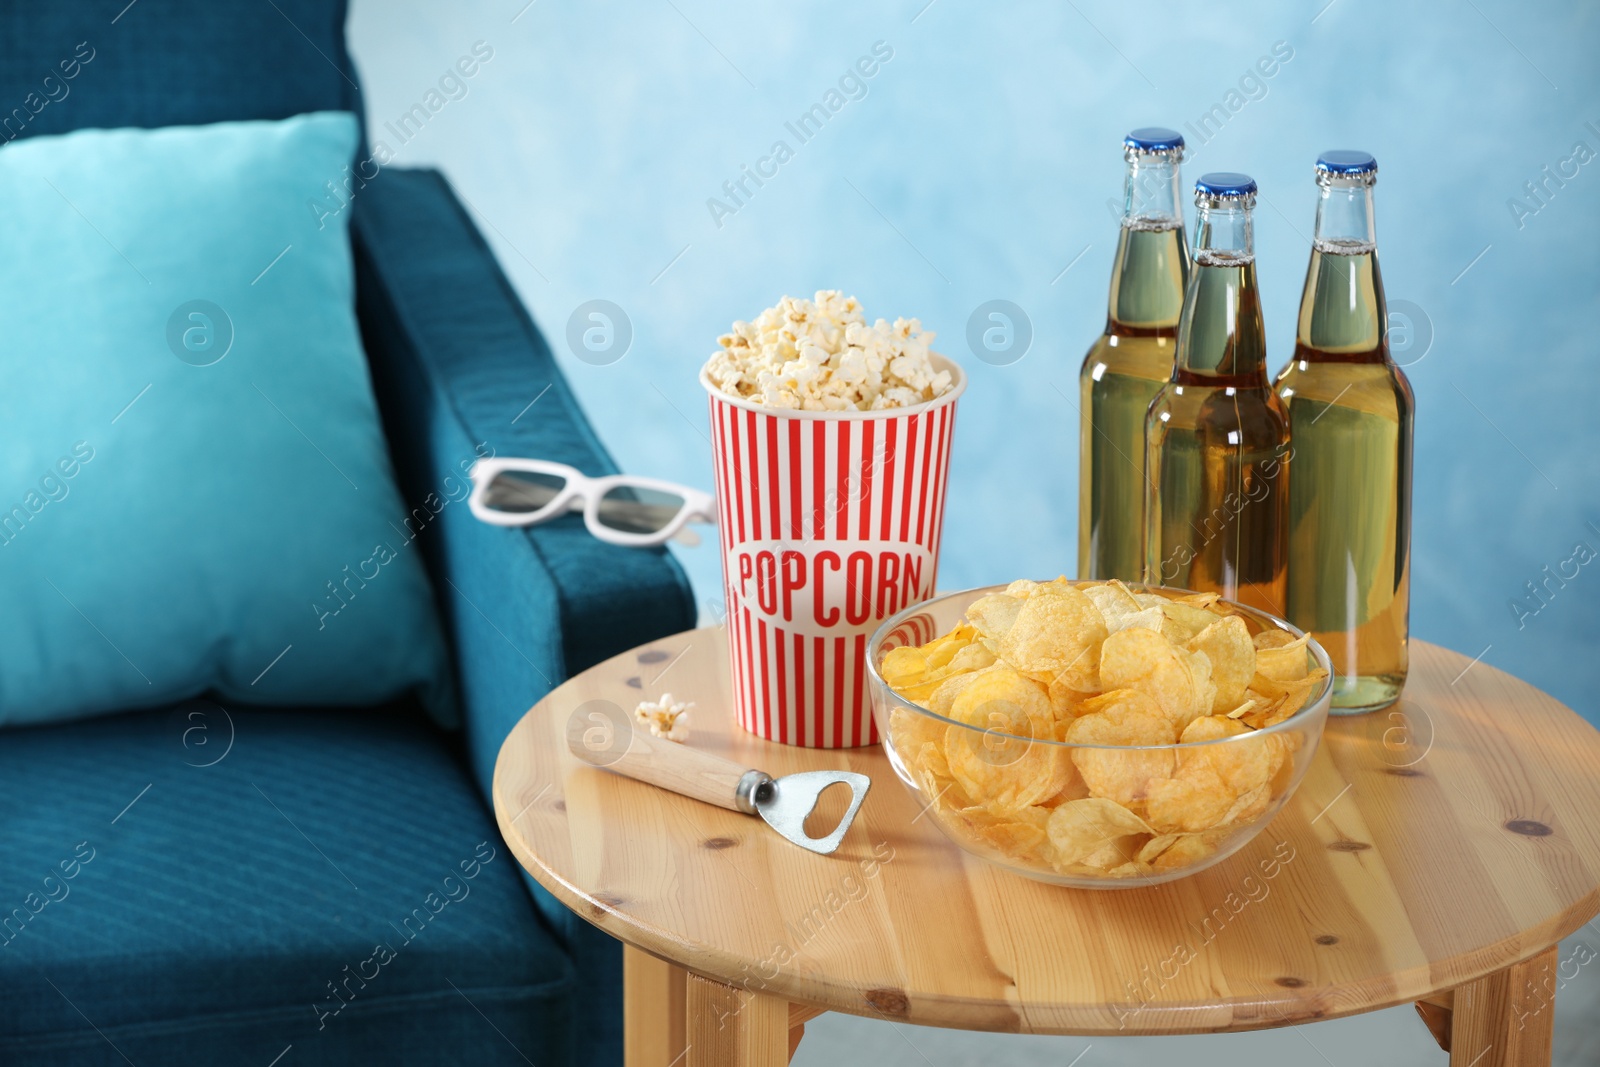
<point x="1437" y="1012"/>
<point x="731" y="1027"/>
<point x="1506" y="1019"/>
<point x="799" y="1015"/>
<point x="652" y="1010"/>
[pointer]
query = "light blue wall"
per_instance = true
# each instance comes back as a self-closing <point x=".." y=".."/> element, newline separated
<point x="978" y="167"/>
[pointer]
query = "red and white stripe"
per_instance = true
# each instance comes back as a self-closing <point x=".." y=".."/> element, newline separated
<point x="857" y="488"/>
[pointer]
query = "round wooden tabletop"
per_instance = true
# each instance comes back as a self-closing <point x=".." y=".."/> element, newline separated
<point x="1430" y="845"/>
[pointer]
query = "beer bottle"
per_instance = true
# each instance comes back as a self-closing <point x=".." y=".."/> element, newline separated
<point x="1350" y="414"/>
<point x="1216" y="435"/>
<point x="1131" y="359"/>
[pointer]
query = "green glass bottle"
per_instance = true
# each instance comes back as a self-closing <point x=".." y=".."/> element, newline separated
<point x="1216" y="436"/>
<point x="1131" y="359"/>
<point x="1350" y="416"/>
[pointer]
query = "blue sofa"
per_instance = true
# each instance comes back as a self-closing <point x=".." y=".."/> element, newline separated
<point x="210" y="884"/>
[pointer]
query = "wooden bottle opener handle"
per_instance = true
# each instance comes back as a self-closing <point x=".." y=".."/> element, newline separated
<point x="663" y="763"/>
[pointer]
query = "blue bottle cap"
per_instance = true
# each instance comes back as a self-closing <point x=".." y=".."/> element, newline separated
<point x="1340" y="161"/>
<point x="1224" y="183"/>
<point x="1153" y="139"/>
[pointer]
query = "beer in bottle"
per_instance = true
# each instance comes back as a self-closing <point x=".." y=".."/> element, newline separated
<point x="1131" y="359"/>
<point x="1216" y="435"/>
<point x="1350" y="414"/>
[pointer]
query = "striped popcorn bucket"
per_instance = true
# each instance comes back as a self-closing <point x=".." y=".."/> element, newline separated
<point x="829" y="523"/>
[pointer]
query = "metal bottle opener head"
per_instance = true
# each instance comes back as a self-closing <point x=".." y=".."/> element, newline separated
<point x="783" y="803"/>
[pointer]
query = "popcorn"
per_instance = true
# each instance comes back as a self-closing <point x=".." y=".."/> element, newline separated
<point x="821" y="355"/>
<point x="666" y="717"/>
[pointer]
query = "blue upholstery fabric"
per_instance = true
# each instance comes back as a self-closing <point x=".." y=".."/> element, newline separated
<point x="451" y="349"/>
<point x="455" y="358"/>
<point x="170" y="63"/>
<point x="214" y="912"/>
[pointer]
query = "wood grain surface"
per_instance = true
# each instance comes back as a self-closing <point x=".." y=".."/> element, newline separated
<point x="1430" y="846"/>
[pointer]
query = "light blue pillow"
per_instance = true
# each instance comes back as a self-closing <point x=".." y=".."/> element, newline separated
<point x="195" y="494"/>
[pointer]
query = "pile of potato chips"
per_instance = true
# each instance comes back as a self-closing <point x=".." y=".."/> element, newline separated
<point x="1100" y="664"/>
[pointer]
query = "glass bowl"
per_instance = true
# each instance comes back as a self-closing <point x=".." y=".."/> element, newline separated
<point x="1004" y="763"/>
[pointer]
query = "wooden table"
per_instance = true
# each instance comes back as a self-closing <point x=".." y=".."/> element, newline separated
<point x="1436" y="852"/>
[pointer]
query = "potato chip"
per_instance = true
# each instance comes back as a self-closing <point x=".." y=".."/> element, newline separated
<point x="915" y="672"/>
<point x="921" y="691"/>
<point x="929" y="768"/>
<point x="1002" y="699"/>
<point x="944" y="695"/>
<point x="1119" y="608"/>
<point x="1022" y="588"/>
<point x="941" y="650"/>
<point x="1001" y="761"/>
<point x="1147" y="619"/>
<point x="1244" y="764"/>
<point x="1156" y="846"/>
<point x="1280" y="781"/>
<point x="1080" y="828"/>
<point x="1057" y="631"/>
<point x="971" y="658"/>
<point x="1179" y="621"/>
<point x="1121" y="717"/>
<point x="1189" y="849"/>
<point x="1276" y="701"/>
<point x="1006" y="772"/>
<point x="930" y="757"/>
<point x="1205" y="690"/>
<point x="1115" y="854"/>
<point x="1065" y="700"/>
<point x="1248" y="806"/>
<point x="941" y="699"/>
<point x="920" y="688"/>
<point x="1182" y="623"/>
<point x="1197" y="800"/>
<point x="1295" y="699"/>
<point x="993" y="615"/>
<point x="1282" y="661"/>
<point x="1272" y="638"/>
<point x="924" y="760"/>
<point x="1075" y="788"/>
<point x="1132" y="869"/>
<point x="909" y="731"/>
<point x="1295" y="696"/>
<point x="904" y="663"/>
<point x="1226" y="643"/>
<point x="1019" y="835"/>
<point x="1179" y="681"/>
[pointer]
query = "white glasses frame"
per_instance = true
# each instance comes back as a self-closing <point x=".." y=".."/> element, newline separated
<point x="583" y="493"/>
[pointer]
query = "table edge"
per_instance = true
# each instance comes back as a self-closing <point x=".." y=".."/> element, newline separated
<point x="1407" y="986"/>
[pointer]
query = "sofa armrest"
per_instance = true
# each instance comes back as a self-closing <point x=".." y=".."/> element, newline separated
<point x="456" y="363"/>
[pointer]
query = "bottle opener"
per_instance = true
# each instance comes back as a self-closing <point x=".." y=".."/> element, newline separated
<point x="783" y="803"/>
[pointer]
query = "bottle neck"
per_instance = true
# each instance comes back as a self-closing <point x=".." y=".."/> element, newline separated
<point x="1344" y="217"/>
<point x="1224" y="233"/>
<point x="1342" y="307"/>
<point x="1221" y="339"/>
<point x="1150" y="192"/>
<point x="1152" y="261"/>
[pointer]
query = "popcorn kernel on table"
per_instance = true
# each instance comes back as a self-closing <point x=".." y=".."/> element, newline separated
<point x="665" y="717"/>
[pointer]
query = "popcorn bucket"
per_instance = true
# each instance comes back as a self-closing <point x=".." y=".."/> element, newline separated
<point x="829" y="523"/>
